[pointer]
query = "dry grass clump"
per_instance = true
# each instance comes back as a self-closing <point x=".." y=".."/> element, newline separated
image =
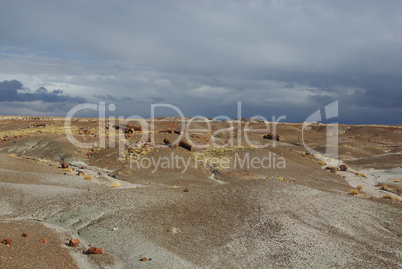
<point x="363" y="175"/>
<point x="392" y="197"/>
<point x="68" y="169"/>
<point x="116" y="185"/>
<point x="354" y="192"/>
<point x="173" y="230"/>
<point x="11" y="155"/>
<point x="88" y="177"/>
<point x="356" y="173"/>
<point x="359" y="187"/>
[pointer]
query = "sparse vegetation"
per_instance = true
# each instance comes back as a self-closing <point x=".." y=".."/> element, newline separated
<point x="88" y="177"/>
<point x="11" y="155"/>
<point x="354" y="192"/>
<point x="116" y="185"/>
<point x="356" y="173"/>
<point x="363" y="175"/>
<point x="392" y="197"/>
<point x="359" y="187"/>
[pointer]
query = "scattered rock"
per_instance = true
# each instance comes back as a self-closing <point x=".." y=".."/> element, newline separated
<point x="144" y="259"/>
<point x="44" y="240"/>
<point x="80" y="173"/>
<point x="270" y="136"/>
<point x="73" y="243"/>
<point x="7" y="241"/>
<point x="25" y="235"/>
<point x="94" y="250"/>
<point x="186" y="145"/>
<point x="64" y="165"/>
<point x="333" y="169"/>
<point x="168" y="142"/>
<point x="186" y="190"/>
<point x="343" y="167"/>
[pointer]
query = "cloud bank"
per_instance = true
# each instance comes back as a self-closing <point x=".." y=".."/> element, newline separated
<point x="276" y="57"/>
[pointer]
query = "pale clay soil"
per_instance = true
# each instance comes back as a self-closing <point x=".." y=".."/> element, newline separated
<point x="299" y="216"/>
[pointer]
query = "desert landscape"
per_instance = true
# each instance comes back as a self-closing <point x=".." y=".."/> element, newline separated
<point x="190" y="209"/>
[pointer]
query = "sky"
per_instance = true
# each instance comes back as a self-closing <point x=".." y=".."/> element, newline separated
<point x="278" y="58"/>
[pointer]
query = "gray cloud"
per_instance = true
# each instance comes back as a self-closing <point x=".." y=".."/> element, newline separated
<point x="276" y="57"/>
<point x="13" y="90"/>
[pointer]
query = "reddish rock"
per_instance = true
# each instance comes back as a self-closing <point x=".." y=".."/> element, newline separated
<point x="44" y="240"/>
<point x="73" y="243"/>
<point x="186" y="145"/>
<point x="25" y="235"/>
<point x="271" y="136"/>
<point x="94" y="250"/>
<point x="7" y="241"/>
<point x="186" y="190"/>
<point x="144" y="259"/>
<point x="80" y="173"/>
<point x="343" y="167"/>
<point x="64" y="165"/>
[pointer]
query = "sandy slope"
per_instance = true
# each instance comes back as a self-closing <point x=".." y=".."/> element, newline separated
<point x="298" y="217"/>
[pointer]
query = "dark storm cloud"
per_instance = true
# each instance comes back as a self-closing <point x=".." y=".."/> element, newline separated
<point x="14" y="91"/>
<point x="276" y="57"/>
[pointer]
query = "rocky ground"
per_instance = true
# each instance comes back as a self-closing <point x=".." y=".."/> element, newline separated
<point x="204" y="211"/>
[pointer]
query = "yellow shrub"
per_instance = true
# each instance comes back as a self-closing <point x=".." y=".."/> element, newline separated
<point x="387" y="196"/>
<point x="359" y="187"/>
<point x="68" y="169"/>
<point x="88" y="177"/>
<point x="393" y="197"/>
<point x="354" y="192"/>
<point x="356" y="173"/>
<point x="363" y="175"/>
<point x="12" y="155"/>
<point x="116" y="184"/>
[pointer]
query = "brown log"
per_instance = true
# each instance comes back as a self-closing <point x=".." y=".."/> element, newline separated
<point x="166" y="132"/>
<point x="343" y="167"/>
<point x="131" y="129"/>
<point x="186" y="145"/>
<point x="270" y="136"/>
<point x="168" y="142"/>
